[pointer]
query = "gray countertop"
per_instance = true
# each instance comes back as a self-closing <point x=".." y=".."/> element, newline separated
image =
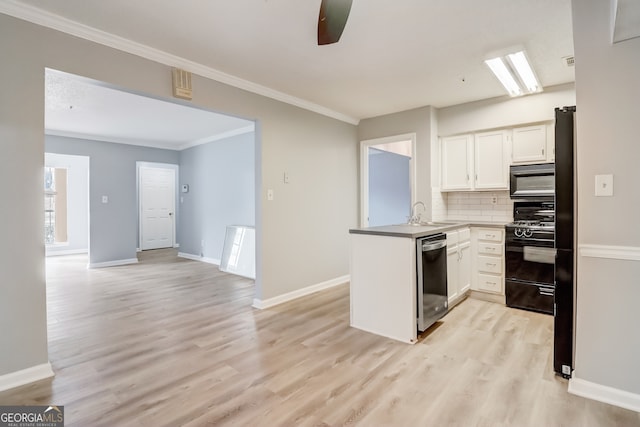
<point x="417" y="231"/>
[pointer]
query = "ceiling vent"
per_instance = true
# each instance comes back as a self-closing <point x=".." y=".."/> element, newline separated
<point x="181" y="80"/>
<point x="569" y="61"/>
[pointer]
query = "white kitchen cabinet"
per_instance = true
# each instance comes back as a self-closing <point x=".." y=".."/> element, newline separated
<point x="488" y="260"/>
<point x="491" y="164"/>
<point x="458" y="265"/>
<point x="532" y="144"/>
<point x="456" y="162"/>
<point x="475" y="162"/>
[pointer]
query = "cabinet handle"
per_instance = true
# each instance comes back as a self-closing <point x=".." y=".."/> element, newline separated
<point x="543" y="151"/>
<point x="491" y="264"/>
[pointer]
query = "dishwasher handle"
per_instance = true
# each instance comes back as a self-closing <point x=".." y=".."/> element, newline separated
<point x="431" y="246"/>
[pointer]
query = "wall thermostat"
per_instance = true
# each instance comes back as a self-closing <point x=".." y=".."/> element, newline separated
<point x="185" y="188"/>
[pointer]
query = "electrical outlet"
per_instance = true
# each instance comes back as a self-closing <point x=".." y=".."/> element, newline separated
<point x="494" y="199"/>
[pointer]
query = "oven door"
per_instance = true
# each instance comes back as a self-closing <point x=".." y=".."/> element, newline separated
<point x="532" y="181"/>
<point x="530" y="261"/>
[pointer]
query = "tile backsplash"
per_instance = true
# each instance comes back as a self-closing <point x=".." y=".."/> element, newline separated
<point x="471" y="206"/>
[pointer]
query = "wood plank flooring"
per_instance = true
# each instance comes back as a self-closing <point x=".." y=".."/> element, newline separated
<point x="172" y="342"/>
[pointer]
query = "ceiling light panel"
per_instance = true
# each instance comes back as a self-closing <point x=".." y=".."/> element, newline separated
<point x="503" y="74"/>
<point x="515" y="73"/>
<point x="520" y="64"/>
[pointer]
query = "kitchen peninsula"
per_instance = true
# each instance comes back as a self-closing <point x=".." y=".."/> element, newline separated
<point x="383" y="287"/>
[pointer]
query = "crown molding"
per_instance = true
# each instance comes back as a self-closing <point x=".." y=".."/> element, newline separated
<point x="151" y="144"/>
<point x="218" y="137"/>
<point x="47" y="19"/>
<point x="102" y="138"/>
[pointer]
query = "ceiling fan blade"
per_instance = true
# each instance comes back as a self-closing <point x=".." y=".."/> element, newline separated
<point x="332" y="19"/>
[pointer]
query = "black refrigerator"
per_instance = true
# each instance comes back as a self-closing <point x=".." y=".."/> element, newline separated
<point x="564" y="235"/>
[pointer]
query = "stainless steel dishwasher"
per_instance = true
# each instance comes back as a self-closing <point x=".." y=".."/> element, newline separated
<point x="431" y="252"/>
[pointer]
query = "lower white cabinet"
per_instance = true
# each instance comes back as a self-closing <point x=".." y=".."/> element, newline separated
<point x="488" y="260"/>
<point x="458" y="264"/>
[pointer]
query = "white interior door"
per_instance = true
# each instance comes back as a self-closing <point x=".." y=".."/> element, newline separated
<point x="157" y="207"/>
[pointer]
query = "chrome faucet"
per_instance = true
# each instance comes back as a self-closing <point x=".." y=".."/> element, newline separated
<point x="415" y="216"/>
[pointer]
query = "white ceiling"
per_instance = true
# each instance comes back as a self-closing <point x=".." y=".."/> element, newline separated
<point x="393" y="55"/>
<point x="82" y="108"/>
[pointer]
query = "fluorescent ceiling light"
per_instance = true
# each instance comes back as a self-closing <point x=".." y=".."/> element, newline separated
<point x="504" y="75"/>
<point x="516" y="75"/>
<point x="524" y="70"/>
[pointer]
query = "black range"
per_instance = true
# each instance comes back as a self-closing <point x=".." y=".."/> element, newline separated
<point x="530" y="256"/>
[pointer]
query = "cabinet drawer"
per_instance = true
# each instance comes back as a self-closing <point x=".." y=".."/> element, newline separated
<point x="490" y="283"/>
<point x="489" y="264"/>
<point x="452" y="238"/>
<point x="492" y="235"/>
<point x="490" y="248"/>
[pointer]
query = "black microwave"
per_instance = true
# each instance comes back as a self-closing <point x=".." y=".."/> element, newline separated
<point x="532" y="181"/>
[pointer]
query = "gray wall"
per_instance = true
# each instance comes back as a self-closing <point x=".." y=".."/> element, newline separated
<point x="419" y="121"/>
<point x="504" y="111"/>
<point x="113" y="226"/>
<point x="389" y="188"/>
<point x="77" y="201"/>
<point x="608" y="291"/>
<point x="315" y="209"/>
<point x="221" y="179"/>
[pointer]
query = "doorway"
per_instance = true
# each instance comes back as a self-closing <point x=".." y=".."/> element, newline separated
<point x="387" y="179"/>
<point x="157" y="205"/>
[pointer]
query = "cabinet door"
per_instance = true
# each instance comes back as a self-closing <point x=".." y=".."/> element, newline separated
<point x="530" y="144"/>
<point x="491" y="164"/>
<point x="452" y="274"/>
<point x="456" y="162"/>
<point x="464" y="267"/>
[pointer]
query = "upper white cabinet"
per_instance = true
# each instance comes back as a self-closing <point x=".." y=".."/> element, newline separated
<point x="475" y="161"/>
<point x="456" y="153"/>
<point x="531" y="144"/>
<point x="491" y="161"/>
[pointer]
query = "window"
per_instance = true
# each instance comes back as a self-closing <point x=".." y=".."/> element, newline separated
<point x="55" y="205"/>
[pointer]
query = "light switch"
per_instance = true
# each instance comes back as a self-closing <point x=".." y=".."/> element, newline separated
<point x="286" y="177"/>
<point x="604" y="185"/>
<point x="269" y="194"/>
<point x="105" y="199"/>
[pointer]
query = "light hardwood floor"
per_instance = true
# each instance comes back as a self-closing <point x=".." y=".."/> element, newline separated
<point x="175" y="342"/>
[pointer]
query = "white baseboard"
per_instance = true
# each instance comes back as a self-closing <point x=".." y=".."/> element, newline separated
<point x="25" y="376"/>
<point x="298" y="293"/>
<point x="199" y="258"/>
<point x="603" y="393"/>
<point x="66" y="252"/>
<point x="112" y="263"/>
